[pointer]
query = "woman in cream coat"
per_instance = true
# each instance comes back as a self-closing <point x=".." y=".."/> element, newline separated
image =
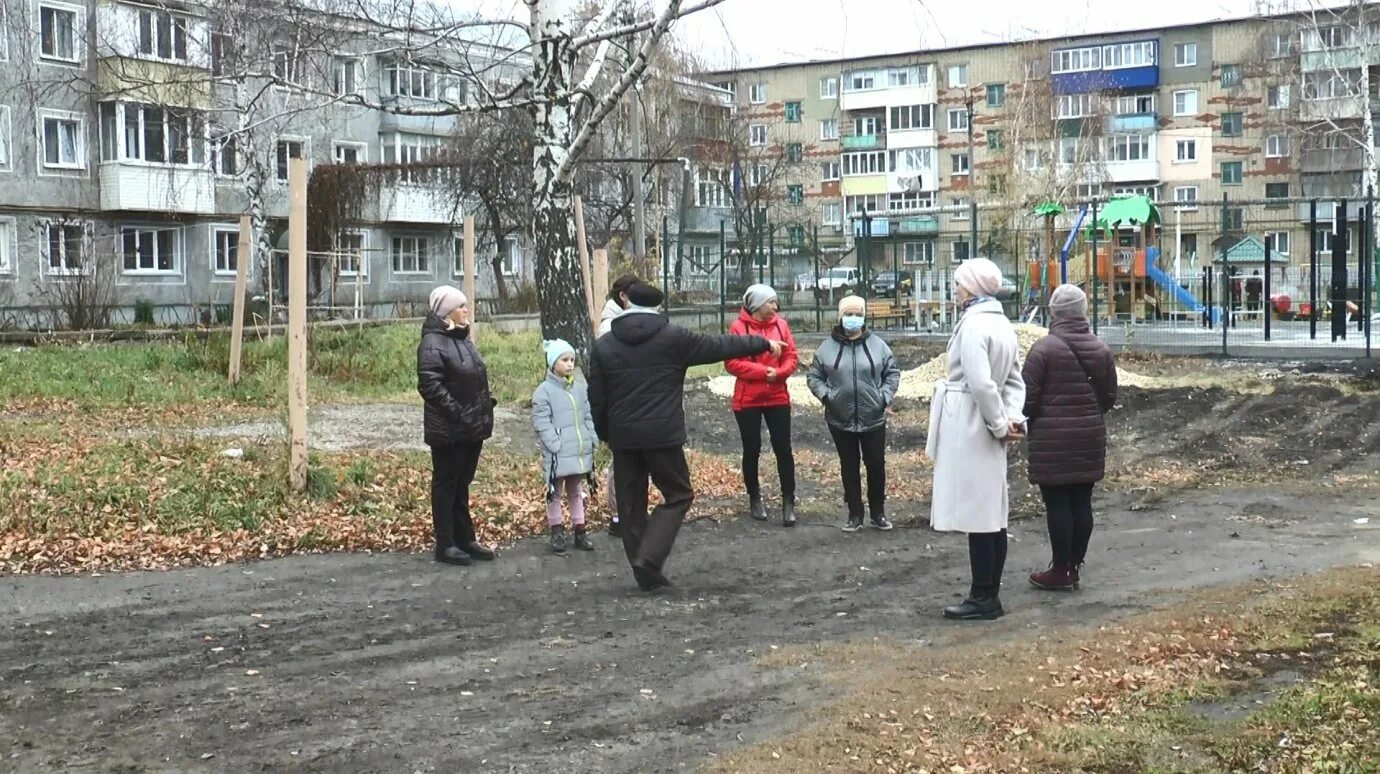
<point x="974" y="414"/>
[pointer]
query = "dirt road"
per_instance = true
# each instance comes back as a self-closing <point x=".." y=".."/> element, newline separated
<point x="536" y="663"/>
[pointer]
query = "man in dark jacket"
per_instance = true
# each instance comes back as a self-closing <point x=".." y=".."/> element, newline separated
<point x="1070" y="385"/>
<point x="637" y="395"/>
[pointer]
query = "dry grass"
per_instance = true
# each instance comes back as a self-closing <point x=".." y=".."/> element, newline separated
<point x="1109" y="699"/>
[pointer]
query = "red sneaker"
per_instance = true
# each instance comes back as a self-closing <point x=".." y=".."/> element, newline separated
<point x="1057" y="578"/>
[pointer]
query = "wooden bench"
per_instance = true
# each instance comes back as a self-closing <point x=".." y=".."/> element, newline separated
<point x="882" y="313"/>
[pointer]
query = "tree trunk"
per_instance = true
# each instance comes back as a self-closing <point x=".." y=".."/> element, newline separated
<point x="496" y="227"/>
<point x="560" y="288"/>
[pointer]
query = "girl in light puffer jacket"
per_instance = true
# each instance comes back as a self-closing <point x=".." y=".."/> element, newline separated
<point x="565" y="431"/>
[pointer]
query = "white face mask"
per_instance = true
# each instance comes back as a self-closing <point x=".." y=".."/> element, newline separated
<point x="852" y="322"/>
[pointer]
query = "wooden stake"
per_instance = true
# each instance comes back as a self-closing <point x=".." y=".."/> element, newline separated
<point x="469" y="276"/>
<point x="242" y="258"/>
<point x="297" y="323"/>
<point x="601" y="279"/>
<point x="583" y="247"/>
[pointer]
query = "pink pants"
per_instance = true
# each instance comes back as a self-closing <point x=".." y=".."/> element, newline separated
<point x="575" y="494"/>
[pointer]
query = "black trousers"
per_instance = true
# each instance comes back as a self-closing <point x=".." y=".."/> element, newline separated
<point x="857" y="450"/>
<point x="647" y="540"/>
<point x="452" y="472"/>
<point x="1068" y="510"/>
<point x="778" y="419"/>
<point x="987" y="558"/>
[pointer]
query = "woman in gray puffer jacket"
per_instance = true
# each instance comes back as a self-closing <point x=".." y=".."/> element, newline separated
<point x="565" y="431"/>
<point x="856" y="377"/>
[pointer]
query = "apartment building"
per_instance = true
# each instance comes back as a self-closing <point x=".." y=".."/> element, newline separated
<point x="128" y="146"/>
<point x="1256" y="109"/>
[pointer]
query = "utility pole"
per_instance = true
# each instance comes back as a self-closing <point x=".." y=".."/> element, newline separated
<point x="972" y="184"/>
<point x="635" y="138"/>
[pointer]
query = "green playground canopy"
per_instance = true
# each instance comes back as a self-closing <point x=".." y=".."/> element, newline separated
<point x="1049" y="208"/>
<point x="1136" y="210"/>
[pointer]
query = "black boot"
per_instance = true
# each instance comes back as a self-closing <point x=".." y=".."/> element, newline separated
<point x="649" y="578"/>
<point x="755" y="508"/>
<point x="559" y="543"/>
<point x="615" y="529"/>
<point x="788" y="512"/>
<point x="452" y="555"/>
<point x="478" y="551"/>
<point x="582" y="539"/>
<point x="982" y="604"/>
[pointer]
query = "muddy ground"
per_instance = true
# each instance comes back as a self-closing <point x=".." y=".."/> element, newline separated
<point x="537" y="663"/>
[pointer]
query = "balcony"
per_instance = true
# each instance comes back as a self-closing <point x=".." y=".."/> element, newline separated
<point x="922" y="225"/>
<point x="1324" y="161"/>
<point x="863" y="142"/>
<point x="1338" y="59"/>
<point x="157" y="188"/>
<point x="1133" y="123"/>
<point x="445" y="126"/>
<point x="1133" y="171"/>
<point x="705" y="220"/>
<point x="1336" y="108"/>
<point x="418" y="204"/>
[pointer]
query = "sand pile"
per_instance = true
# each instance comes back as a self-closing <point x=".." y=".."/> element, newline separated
<point x="918" y="383"/>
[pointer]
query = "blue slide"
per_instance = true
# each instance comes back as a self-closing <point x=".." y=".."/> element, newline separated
<point x="1185" y="298"/>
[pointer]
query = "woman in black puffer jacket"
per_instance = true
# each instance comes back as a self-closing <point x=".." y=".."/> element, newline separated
<point x="459" y="417"/>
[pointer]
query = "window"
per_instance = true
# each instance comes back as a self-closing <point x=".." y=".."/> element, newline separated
<point x="418" y="82"/>
<point x="1231" y="76"/>
<point x="512" y="257"/>
<point x="1120" y="55"/>
<point x="757" y="93"/>
<point x="1234" y="219"/>
<point x="1187" y="197"/>
<point x="405" y="148"/>
<point x="868" y="203"/>
<point x="829" y="129"/>
<point x="1128" y="147"/>
<point x="760" y="174"/>
<point x="958" y="164"/>
<point x="1331" y="84"/>
<point x="729" y="86"/>
<point x="64" y="141"/>
<point x="711" y="187"/>
<point x="1185" y="151"/>
<point x="1326" y="38"/>
<point x="866" y="126"/>
<point x="349" y="247"/>
<point x="1134" y="104"/>
<point x="795" y="194"/>
<point x="996" y="184"/>
<point x="869" y="163"/>
<point x="349" y="152"/>
<point x="1278" y="242"/>
<point x="1277" y="146"/>
<point x="792" y="112"/>
<point x="225" y="261"/>
<point x="1073" y="60"/>
<point x="1281" y="45"/>
<point x="152" y="133"/>
<point x="828" y="88"/>
<point x="1186" y="102"/>
<point x="6" y="246"/>
<point x="222" y="53"/>
<point x="910" y="161"/>
<point x="1231" y="173"/>
<point x="1075" y="105"/>
<point x="4" y="134"/>
<point x="996" y="94"/>
<point x="1324" y="240"/>
<point x="995" y="139"/>
<point x="910" y="200"/>
<point x="906" y="117"/>
<point x="958" y="120"/>
<point x="1278" y="97"/>
<point x="1185" y="54"/>
<point x="1150" y="192"/>
<point x="1231" y="125"/>
<point x="1068" y="150"/>
<point x="348" y="76"/>
<point x="64" y="247"/>
<point x="1276" y="191"/>
<point x="795" y="235"/>
<point x="795" y="152"/>
<point x="1034" y="159"/>
<point x="962" y="212"/>
<point x="757" y="134"/>
<point x="411" y="255"/>
<point x="289" y="66"/>
<point x="958" y="76"/>
<point x="225" y="159"/>
<point x="1085" y="191"/>
<point x="149" y="250"/>
<point x="831" y="214"/>
<point x="899" y="77"/>
<point x="162" y="35"/>
<point x="961" y="253"/>
<point x="918" y="253"/>
<point x="862" y="80"/>
<point x="288" y="149"/>
<point x="57" y="29"/>
<point x="829" y="170"/>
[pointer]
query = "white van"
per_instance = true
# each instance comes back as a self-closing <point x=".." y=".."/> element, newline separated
<point x="839" y="278"/>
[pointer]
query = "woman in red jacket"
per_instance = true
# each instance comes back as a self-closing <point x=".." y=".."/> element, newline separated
<point x="761" y="395"/>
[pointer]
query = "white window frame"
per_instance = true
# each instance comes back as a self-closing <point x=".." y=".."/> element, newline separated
<point x="1134" y="148"/>
<point x="218" y="146"/>
<point x="513" y="257"/>
<point x="1183" y="200"/>
<point x="193" y="124"/>
<point x="1076" y="60"/>
<point x="359" y="269"/>
<point x="909" y="200"/>
<point x="872" y="203"/>
<point x="1190" y="145"/>
<point x="421" y="254"/>
<point x="78" y="26"/>
<point x="6" y="132"/>
<point x="1277" y="51"/>
<point x="1338" y="84"/>
<point x="289" y="66"/>
<point x="953" y="250"/>
<point x="961" y="124"/>
<point x="909" y="118"/>
<point x="1120" y="56"/>
<point x="860" y="80"/>
<point x="831" y="171"/>
<point x="910" y="161"/>
<point x="4" y="39"/>
<point x="967" y="165"/>
<point x="831" y="213"/>
<point x="829" y="130"/>
<point x="409" y="148"/>
<point x="176" y="245"/>
<point x="919" y="252"/>
<point x="361" y="147"/>
<point x="1186" y="110"/>
<point x="9" y="229"/>
<point x="712" y="187"/>
<point x="339" y="67"/>
<point x="1275" y="235"/>
<point x="1134" y="104"/>
<point x="864" y="163"/>
<point x="1185" y="54"/>
<point x="1075" y="105"/>
<point x="305" y="142"/>
<point x="960" y="82"/>
<point x="175" y="22"/>
<point x="1278" y="97"/>
<point x="861" y="126"/>
<point x="1281" y="146"/>
<point x="435" y="85"/>
<point x="757" y="93"/>
<point x="829" y="87"/>
<point x="758" y="175"/>
<point x="757" y="135"/>
<point x="64" y="269"/>
<point x="233" y="235"/>
<point x="44" y="115"/>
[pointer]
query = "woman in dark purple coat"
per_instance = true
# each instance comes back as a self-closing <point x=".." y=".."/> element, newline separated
<point x="1070" y="385"/>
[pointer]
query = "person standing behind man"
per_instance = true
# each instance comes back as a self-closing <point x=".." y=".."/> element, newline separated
<point x="1070" y="385"/>
<point x="637" y="395"/>
<point x="614" y="306"/>
<point x="856" y="377"/>
<point x="759" y="395"/>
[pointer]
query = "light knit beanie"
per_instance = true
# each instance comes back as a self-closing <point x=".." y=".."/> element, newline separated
<point x="446" y="299"/>
<point x="852" y="302"/>
<point x="1068" y="301"/>
<point x="554" y="348"/>
<point x="757" y="296"/>
<point x="979" y="276"/>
